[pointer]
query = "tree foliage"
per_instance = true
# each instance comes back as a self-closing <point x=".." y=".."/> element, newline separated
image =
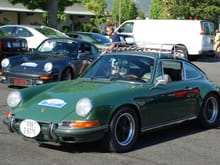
<point x="186" y="9"/>
<point x="53" y="7"/>
<point x="123" y="10"/>
<point x="98" y="7"/>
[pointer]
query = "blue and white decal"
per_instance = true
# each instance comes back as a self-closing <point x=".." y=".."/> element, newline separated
<point x="29" y="64"/>
<point x="56" y="103"/>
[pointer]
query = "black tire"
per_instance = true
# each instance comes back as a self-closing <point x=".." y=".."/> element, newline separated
<point x="209" y="112"/>
<point x="123" y="132"/>
<point x="67" y="75"/>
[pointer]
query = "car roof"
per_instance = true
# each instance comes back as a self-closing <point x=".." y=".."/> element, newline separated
<point x="137" y="51"/>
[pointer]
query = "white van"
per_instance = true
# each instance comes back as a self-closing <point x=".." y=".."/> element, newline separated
<point x="197" y="36"/>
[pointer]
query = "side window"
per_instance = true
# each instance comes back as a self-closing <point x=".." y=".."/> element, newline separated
<point x="173" y="69"/>
<point x="126" y="28"/>
<point x="84" y="50"/>
<point x="191" y="72"/>
<point x="94" y="49"/>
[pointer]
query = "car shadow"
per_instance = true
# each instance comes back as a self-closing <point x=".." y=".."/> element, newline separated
<point x="145" y="140"/>
<point x="208" y="59"/>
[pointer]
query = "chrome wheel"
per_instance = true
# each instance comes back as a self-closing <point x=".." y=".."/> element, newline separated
<point x="211" y="110"/>
<point x="208" y="116"/>
<point x="124" y="129"/>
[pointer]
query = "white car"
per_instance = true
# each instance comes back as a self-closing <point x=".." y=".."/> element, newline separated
<point x="32" y="33"/>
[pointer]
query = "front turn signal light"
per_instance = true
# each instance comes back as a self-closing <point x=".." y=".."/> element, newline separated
<point x="85" y="124"/>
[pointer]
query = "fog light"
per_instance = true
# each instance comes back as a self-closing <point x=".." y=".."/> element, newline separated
<point x="39" y="82"/>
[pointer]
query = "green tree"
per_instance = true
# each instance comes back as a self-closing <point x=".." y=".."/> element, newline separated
<point x="123" y="10"/>
<point x="158" y="10"/>
<point x="140" y="14"/>
<point x="53" y="7"/>
<point x="98" y="7"/>
<point x="186" y="9"/>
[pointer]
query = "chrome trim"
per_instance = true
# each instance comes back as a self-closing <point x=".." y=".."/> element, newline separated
<point x="10" y="125"/>
<point x="166" y="124"/>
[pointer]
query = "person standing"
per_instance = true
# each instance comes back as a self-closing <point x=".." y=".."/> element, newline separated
<point x="115" y="39"/>
<point x="217" y="43"/>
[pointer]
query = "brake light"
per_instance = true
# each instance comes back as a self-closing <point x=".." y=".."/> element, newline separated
<point x="202" y="32"/>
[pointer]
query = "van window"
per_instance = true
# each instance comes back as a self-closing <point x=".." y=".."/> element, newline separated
<point x="126" y="28"/>
<point x="208" y="28"/>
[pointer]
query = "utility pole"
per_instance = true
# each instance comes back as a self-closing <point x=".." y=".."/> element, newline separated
<point x="119" y="13"/>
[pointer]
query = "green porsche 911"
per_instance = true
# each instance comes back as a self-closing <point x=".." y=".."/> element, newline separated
<point x="120" y="96"/>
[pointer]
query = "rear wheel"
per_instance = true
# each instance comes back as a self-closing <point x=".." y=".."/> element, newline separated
<point x="67" y="75"/>
<point x="124" y="131"/>
<point x="208" y="116"/>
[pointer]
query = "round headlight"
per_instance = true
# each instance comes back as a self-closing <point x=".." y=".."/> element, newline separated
<point x="14" y="98"/>
<point x="48" y="67"/>
<point x="84" y="107"/>
<point x="5" y="62"/>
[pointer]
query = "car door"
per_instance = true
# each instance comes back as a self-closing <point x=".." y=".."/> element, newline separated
<point x="208" y="35"/>
<point x="173" y="101"/>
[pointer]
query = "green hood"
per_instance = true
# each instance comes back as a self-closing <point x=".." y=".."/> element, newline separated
<point x="68" y="93"/>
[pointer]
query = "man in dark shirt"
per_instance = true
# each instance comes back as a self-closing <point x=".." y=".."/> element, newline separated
<point x="114" y="38"/>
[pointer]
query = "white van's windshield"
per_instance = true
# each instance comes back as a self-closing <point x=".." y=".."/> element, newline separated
<point x="126" y="28"/>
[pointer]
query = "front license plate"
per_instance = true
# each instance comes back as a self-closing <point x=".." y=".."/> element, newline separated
<point x="19" y="82"/>
<point x="29" y="128"/>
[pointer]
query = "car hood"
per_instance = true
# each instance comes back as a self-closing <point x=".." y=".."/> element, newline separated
<point x="31" y="63"/>
<point x="58" y="102"/>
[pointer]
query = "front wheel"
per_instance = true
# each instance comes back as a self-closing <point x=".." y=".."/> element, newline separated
<point x="124" y="131"/>
<point x="208" y="116"/>
<point x="67" y="75"/>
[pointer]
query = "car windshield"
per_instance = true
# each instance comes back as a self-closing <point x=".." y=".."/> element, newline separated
<point x="122" y="67"/>
<point x="59" y="47"/>
<point x="48" y="32"/>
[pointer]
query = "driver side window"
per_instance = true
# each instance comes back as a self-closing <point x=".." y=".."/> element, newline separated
<point x="169" y="70"/>
<point x="173" y="69"/>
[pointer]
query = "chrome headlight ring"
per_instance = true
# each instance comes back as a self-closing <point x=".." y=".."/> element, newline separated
<point x="48" y="67"/>
<point x="84" y="107"/>
<point x="14" y="99"/>
<point x="5" y="63"/>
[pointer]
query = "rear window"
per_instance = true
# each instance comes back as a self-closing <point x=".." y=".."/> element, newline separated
<point x="208" y="28"/>
<point x="48" y="32"/>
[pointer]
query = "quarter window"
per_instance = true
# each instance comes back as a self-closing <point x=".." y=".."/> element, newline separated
<point x="191" y="72"/>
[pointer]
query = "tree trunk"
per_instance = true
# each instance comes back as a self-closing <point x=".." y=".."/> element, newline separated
<point x="52" y="13"/>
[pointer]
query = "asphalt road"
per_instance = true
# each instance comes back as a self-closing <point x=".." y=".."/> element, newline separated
<point x="185" y="144"/>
